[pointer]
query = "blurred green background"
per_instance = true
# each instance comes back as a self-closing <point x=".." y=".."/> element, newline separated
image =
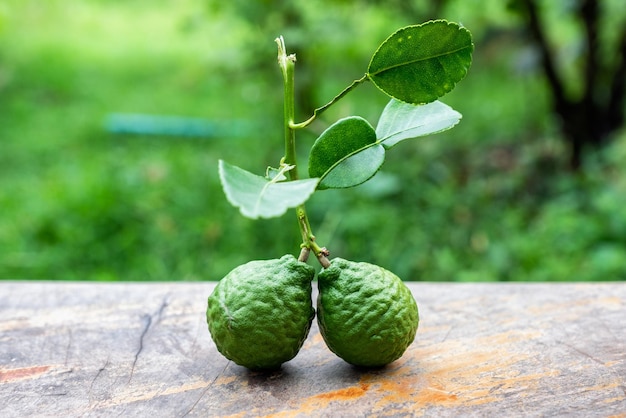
<point x="494" y="199"/>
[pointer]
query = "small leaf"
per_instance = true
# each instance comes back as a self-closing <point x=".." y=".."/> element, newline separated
<point x="346" y="154"/>
<point x="278" y="174"/>
<point x="418" y="64"/>
<point x="272" y="173"/>
<point x="400" y="121"/>
<point x="257" y="197"/>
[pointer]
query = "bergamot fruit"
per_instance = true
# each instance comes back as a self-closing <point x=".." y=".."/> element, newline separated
<point x="260" y="313"/>
<point x="366" y="314"/>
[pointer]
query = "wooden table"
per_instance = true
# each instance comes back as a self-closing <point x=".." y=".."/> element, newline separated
<point x="136" y="349"/>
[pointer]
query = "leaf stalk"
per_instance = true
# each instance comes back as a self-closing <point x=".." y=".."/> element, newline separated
<point x="335" y="99"/>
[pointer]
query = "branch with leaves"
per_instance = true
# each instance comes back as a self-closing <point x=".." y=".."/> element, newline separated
<point x="415" y="66"/>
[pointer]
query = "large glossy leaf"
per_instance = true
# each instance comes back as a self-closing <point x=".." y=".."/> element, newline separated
<point x="420" y="63"/>
<point x="400" y="121"/>
<point x="256" y="196"/>
<point x="346" y="154"/>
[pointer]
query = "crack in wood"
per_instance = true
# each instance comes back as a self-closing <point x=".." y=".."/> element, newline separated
<point x="148" y="321"/>
<point x="205" y="391"/>
<point x="445" y="338"/>
<point x="93" y="381"/>
<point x="621" y="386"/>
<point x="584" y="354"/>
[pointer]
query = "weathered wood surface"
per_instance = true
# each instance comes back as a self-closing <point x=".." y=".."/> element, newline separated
<point x="84" y="349"/>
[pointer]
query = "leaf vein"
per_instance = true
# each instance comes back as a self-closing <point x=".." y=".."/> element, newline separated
<point x="405" y="63"/>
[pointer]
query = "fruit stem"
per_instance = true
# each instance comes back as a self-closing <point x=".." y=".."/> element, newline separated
<point x="308" y="240"/>
<point x="287" y="65"/>
<point x="319" y="110"/>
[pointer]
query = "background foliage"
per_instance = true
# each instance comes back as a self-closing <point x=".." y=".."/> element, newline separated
<point x="491" y="199"/>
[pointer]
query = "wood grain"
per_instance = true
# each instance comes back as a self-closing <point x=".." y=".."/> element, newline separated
<point x="134" y="349"/>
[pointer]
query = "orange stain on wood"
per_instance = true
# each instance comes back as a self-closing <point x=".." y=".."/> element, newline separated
<point x="468" y="374"/>
<point x="345" y="394"/>
<point x="321" y="401"/>
<point x="21" y="373"/>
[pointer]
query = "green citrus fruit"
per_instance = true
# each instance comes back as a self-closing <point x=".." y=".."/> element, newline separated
<point x="260" y="313"/>
<point x="366" y="314"/>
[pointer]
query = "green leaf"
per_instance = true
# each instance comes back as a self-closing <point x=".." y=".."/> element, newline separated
<point x="420" y="63"/>
<point x="400" y="121"/>
<point x="346" y="154"/>
<point x="256" y="196"/>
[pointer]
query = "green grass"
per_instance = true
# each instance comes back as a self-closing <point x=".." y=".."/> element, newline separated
<point x="84" y="204"/>
<point x="488" y="200"/>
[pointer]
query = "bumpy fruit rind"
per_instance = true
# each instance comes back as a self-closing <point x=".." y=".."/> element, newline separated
<point x="366" y="314"/>
<point x="260" y="313"/>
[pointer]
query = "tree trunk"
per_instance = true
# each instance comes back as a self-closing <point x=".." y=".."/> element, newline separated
<point x="586" y="122"/>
